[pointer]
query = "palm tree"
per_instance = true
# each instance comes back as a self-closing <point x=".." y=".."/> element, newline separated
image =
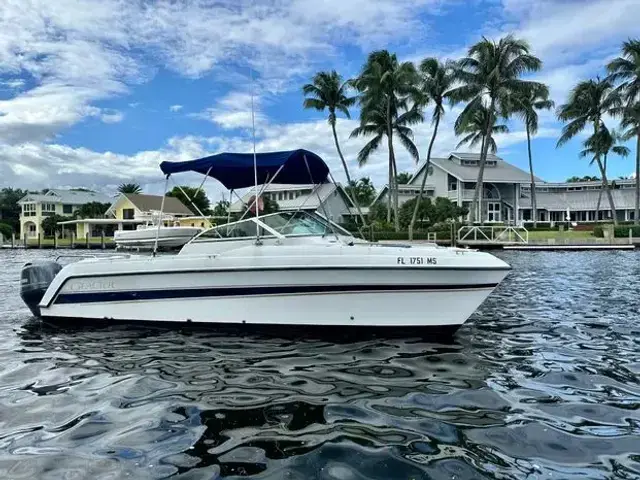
<point x="599" y="144"/>
<point x="129" y="188"/>
<point x="377" y="125"/>
<point x="631" y="123"/>
<point x="588" y="102"/>
<point x="626" y="69"/>
<point x="526" y="106"/>
<point x="475" y="130"/>
<point x="491" y="74"/>
<point x="329" y="92"/>
<point x="436" y="81"/>
<point x="387" y="88"/>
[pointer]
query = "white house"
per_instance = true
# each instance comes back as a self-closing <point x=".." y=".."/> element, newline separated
<point x="36" y="207"/>
<point x="507" y="192"/>
<point x="328" y="199"/>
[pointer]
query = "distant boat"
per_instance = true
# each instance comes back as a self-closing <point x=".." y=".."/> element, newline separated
<point x="145" y="236"/>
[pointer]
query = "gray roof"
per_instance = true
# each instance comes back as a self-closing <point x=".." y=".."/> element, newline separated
<point x="310" y="200"/>
<point x="623" y="199"/>
<point x="502" y="172"/>
<point x="148" y="203"/>
<point x="70" y="197"/>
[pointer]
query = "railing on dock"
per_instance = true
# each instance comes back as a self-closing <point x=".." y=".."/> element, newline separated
<point x="503" y="234"/>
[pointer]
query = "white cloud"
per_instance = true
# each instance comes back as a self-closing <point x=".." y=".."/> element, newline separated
<point x="234" y="111"/>
<point x="175" y="108"/>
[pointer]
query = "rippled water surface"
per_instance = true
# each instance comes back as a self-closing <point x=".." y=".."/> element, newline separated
<point x="542" y="382"/>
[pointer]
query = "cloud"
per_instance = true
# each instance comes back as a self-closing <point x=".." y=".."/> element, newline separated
<point x="175" y="108"/>
<point x="233" y="111"/>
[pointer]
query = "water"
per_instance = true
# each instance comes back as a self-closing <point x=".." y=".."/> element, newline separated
<point x="542" y="382"/>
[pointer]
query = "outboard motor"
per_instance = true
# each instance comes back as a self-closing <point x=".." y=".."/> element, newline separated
<point x="34" y="280"/>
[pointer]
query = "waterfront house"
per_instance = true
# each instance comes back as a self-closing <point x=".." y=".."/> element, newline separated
<point x="328" y="199"/>
<point x="36" y="207"/>
<point x="506" y="196"/>
<point x="130" y="210"/>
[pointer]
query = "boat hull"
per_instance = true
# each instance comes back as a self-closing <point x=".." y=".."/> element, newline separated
<point x="358" y="297"/>
<point x="172" y="237"/>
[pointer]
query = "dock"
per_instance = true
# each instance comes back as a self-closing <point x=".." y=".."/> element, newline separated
<point x="560" y="247"/>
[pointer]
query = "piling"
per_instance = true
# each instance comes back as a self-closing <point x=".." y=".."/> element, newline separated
<point x="25" y="240"/>
<point x="40" y="240"/>
<point x="102" y="239"/>
<point x="55" y="240"/>
<point x="13" y="240"/>
<point x="87" y="241"/>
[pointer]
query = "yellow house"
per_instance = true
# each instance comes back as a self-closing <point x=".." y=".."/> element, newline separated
<point x="36" y="207"/>
<point x="130" y="210"/>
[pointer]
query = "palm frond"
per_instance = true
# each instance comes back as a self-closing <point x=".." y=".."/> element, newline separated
<point x="409" y="145"/>
<point x="368" y="149"/>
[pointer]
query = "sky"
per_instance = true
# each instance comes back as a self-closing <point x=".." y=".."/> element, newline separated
<point x="94" y="93"/>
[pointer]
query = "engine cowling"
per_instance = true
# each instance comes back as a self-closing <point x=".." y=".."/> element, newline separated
<point x="35" y="278"/>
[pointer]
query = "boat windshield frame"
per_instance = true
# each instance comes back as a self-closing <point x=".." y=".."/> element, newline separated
<point x="329" y="227"/>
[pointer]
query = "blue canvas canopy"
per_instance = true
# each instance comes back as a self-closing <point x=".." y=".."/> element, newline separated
<point x="235" y="170"/>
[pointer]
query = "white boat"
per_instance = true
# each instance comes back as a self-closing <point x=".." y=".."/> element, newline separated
<point x="145" y="236"/>
<point x="282" y="269"/>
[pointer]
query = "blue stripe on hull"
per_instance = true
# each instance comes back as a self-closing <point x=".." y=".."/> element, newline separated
<point x="124" y="296"/>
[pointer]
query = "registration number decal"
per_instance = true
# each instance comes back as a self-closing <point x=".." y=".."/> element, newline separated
<point x="417" y="261"/>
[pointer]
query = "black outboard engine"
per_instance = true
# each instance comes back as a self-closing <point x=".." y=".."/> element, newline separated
<point x="35" y="279"/>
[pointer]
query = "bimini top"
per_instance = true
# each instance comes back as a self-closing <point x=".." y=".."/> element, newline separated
<point x="235" y="170"/>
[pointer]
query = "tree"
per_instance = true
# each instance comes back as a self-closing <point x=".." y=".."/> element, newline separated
<point x="526" y="106"/>
<point x="403" y="178"/>
<point x="9" y="208"/>
<point x="492" y="72"/>
<point x="631" y="125"/>
<point x="51" y="224"/>
<point x="387" y="88"/>
<point x="436" y="80"/>
<point x="626" y="69"/>
<point x="475" y="128"/>
<point x="268" y="206"/>
<point x="362" y="191"/>
<point x="221" y="209"/>
<point x="129" y="188"/>
<point x="600" y="144"/>
<point x="197" y="198"/>
<point x="91" y="210"/>
<point x="586" y="178"/>
<point x="588" y="102"/>
<point x="5" y="230"/>
<point x="329" y="92"/>
<point x="430" y="212"/>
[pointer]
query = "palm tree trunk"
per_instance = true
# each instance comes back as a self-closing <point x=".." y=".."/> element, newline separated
<point x="534" y="206"/>
<point x="605" y="185"/>
<point x="636" y="215"/>
<point x="424" y="179"/>
<point x="598" y="205"/>
<point x="354" y="200"/>
<point x="393" y="184"/>
<point x="483" y="159"/>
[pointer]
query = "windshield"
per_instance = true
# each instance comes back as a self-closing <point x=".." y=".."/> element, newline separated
<point x="284" y="223"/>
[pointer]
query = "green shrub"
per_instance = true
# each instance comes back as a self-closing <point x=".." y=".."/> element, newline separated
<point x="624" y="231"/>
<point x="598" y="231"/>
<point x="5" y="230"/>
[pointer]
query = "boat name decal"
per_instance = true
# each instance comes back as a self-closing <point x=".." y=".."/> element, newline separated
<point x="81" y="286"/>
<point x="417" y="261"/>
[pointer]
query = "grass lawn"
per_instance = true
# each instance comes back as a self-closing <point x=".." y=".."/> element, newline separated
<point x="571" y="234"/>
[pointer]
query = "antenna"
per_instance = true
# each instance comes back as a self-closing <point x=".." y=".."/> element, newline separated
<point x="255" y="161"/>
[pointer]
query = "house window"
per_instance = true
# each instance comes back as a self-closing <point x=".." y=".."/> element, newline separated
<point x="67" y="209"/>
<point x="453" y="186"/>
<point x="32" y="228"/>
<point x="29" y="209"/>
<point x="128" y="213"/>
<point x="48" y="207"/>
<point x="493" y="211"/>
